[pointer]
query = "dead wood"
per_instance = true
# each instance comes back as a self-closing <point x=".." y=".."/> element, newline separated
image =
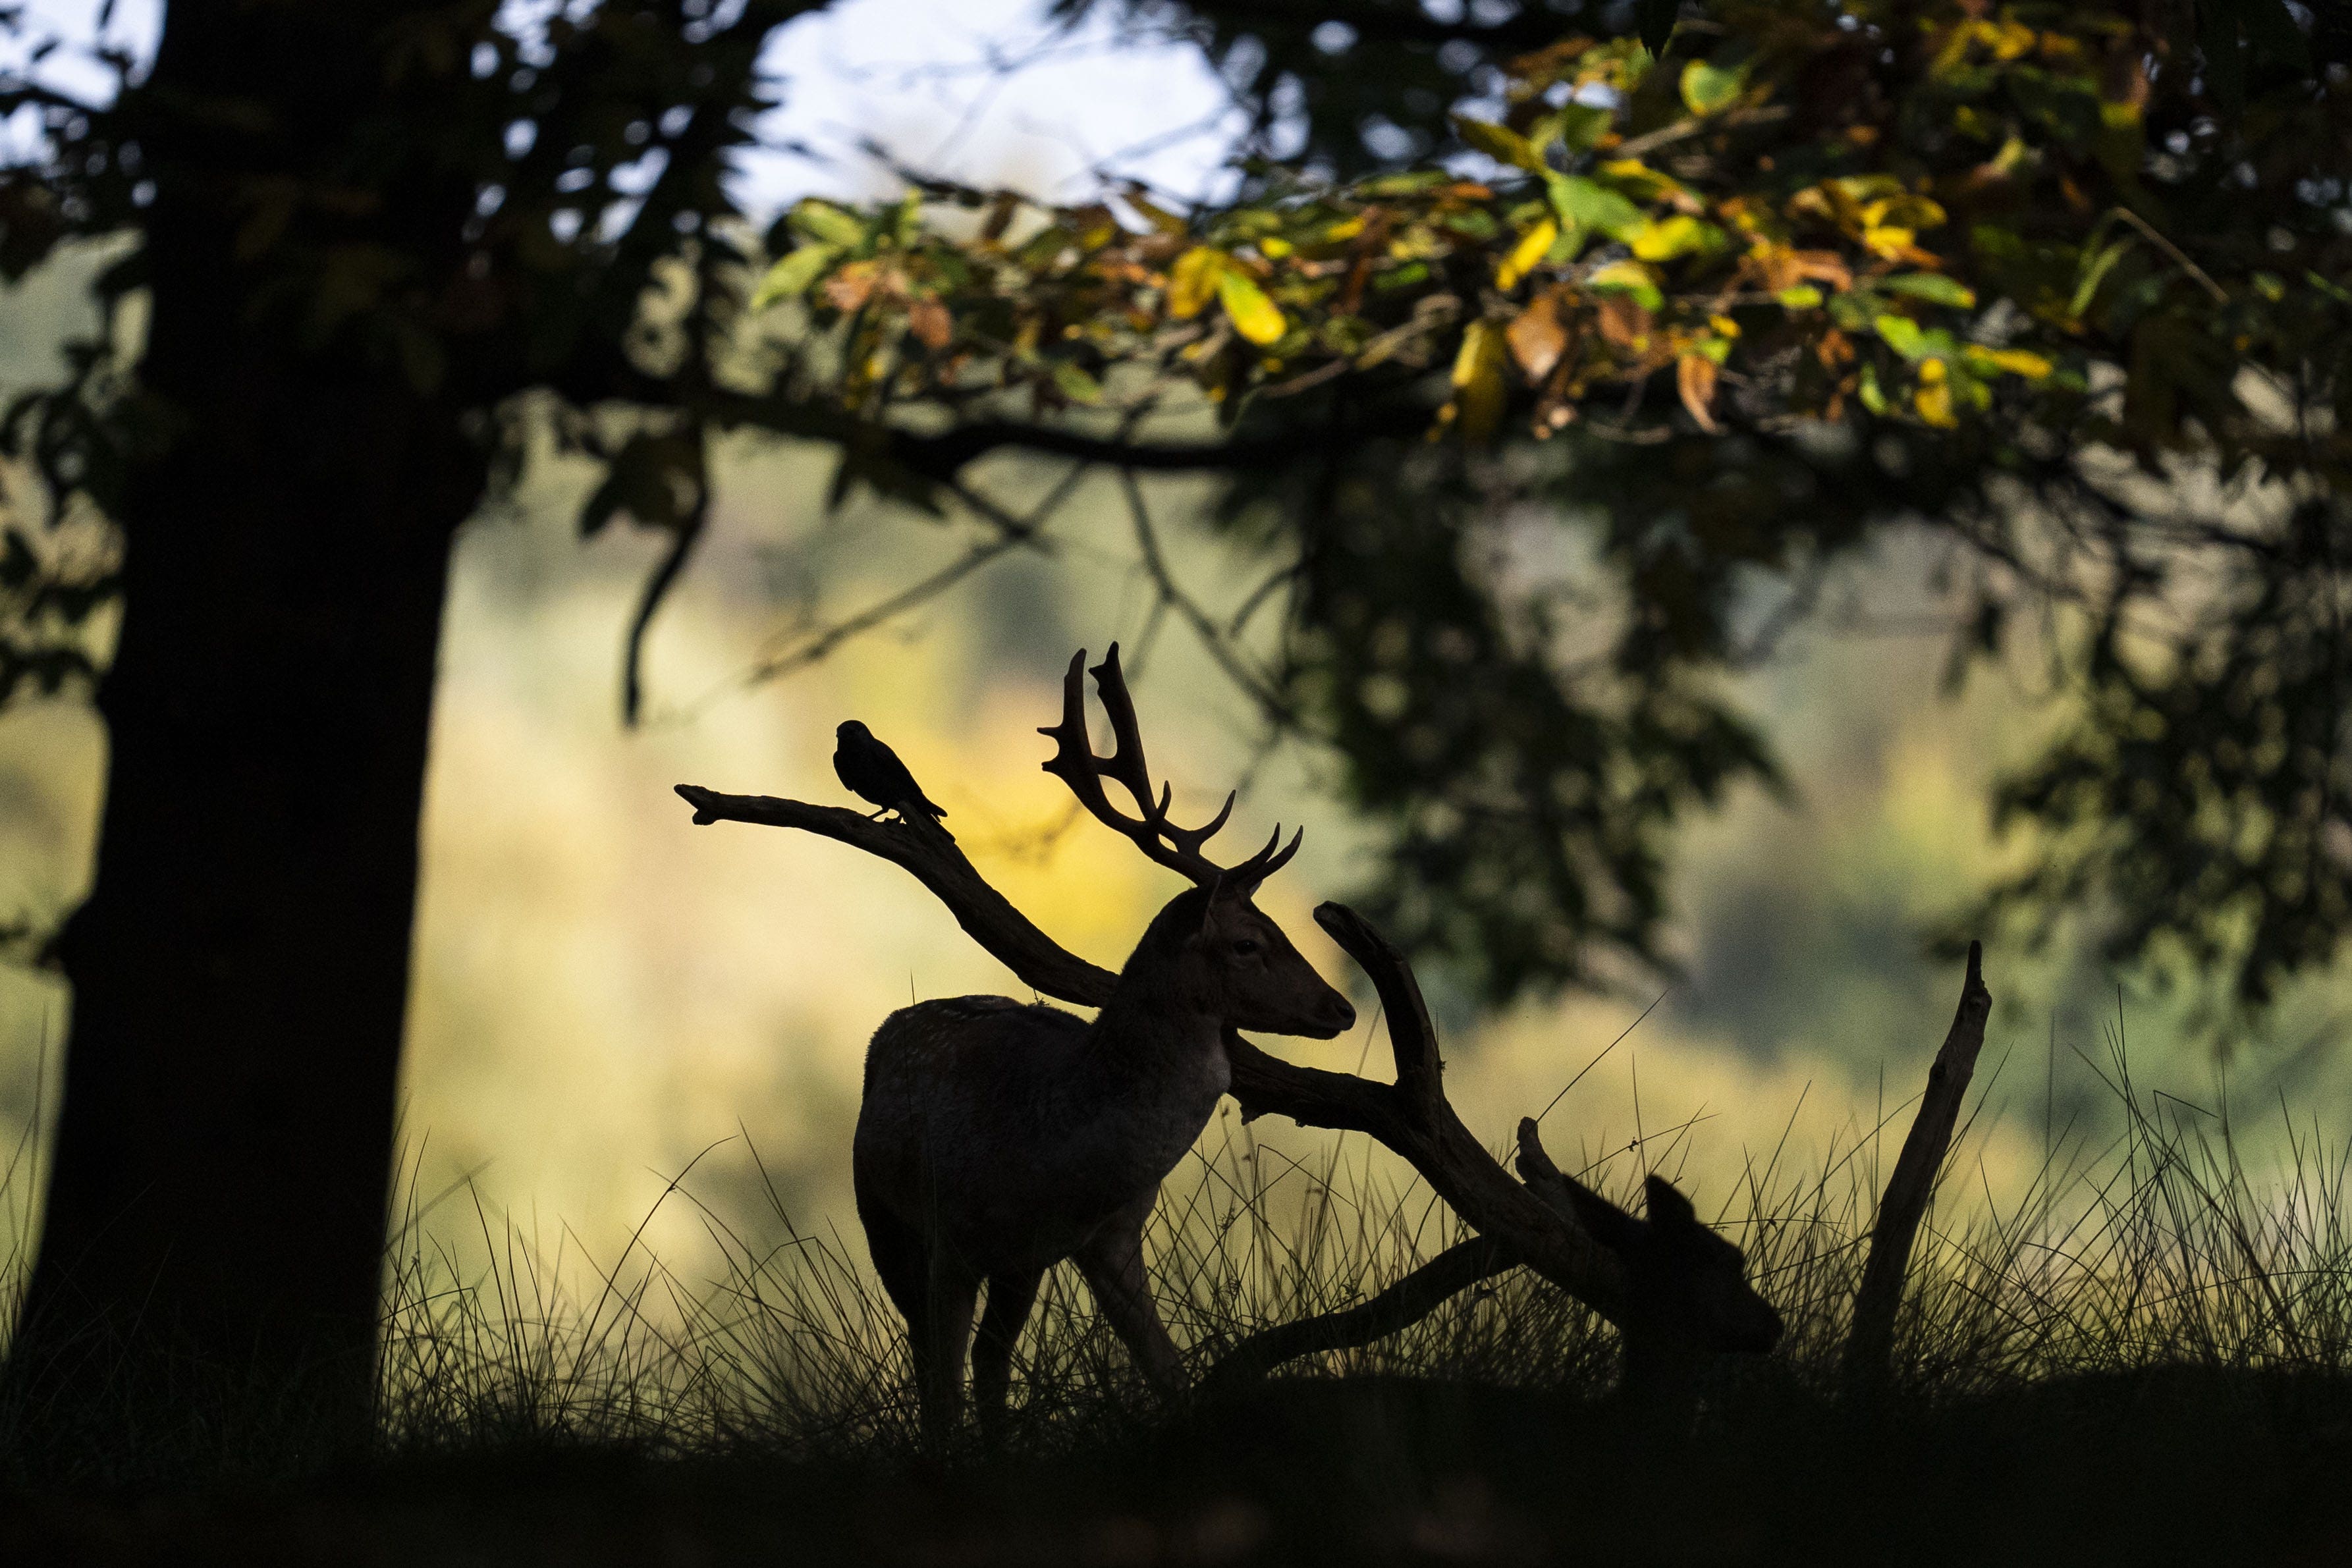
<point x="1904" y="1203"/>
<point x="1467" y="1263"/>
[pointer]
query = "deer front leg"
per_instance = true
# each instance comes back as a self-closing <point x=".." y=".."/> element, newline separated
<point x="1112" y="1264"/>
<point x="1010" y="1297"/>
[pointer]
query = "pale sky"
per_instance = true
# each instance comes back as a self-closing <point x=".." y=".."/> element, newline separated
<point x="983" y="90"/>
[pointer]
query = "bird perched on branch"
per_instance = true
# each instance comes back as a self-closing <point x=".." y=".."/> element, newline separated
<point x="873" y="772"/>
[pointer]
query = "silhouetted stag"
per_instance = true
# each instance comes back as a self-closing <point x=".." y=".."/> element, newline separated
<point x="997" y="1138"/>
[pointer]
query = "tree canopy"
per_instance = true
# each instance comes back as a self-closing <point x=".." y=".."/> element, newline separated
<point x="2044" y="278"/>
<point x="2066" y="285"/>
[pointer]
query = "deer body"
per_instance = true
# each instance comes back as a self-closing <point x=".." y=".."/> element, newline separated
<point x="997" y="1139"/>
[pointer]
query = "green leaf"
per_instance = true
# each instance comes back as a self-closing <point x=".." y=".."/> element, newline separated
<point x="1628" y="277"/>
<point x="1582" y="125"/>
<point x="1799" y="297"/>
<point x="1867" y="389"/>
<point x="1901" y="334"/>
<point x="1708" y="88"/>
<point x="1075" y="383"/>
<point x="791" y="277"/>
<point x="1584" y="204"/>
<point x="823" y="221"/>
<point x="1932" y="286"/>
<point x="1253" y="315"/>
<point x="1500" y="142"/>
<point x="2094" y="272"/>
<point x="2333" y="290"/>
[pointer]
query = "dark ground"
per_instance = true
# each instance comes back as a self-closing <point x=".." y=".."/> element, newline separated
<point x="2165" y="1468"/>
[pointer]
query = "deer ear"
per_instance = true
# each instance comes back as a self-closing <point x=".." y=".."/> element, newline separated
<point x="1668" y="1207"/>
<point x="1603" y="1220"/>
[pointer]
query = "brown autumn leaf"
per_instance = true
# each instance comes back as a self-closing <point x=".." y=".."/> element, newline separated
<point x="848" y="289"/>
<point x="1695" y="379"/>
<point x="1537" y="336"/>
<point x="930" y="321"/>
<point x="1623" y="323"/>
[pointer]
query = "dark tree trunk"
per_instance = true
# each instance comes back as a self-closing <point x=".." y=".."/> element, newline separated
<point x="240" y="972"/>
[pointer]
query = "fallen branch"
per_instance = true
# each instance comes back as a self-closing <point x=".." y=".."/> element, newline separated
<point x="1467" y="1263"/>
<point x="1870" y="1347"/>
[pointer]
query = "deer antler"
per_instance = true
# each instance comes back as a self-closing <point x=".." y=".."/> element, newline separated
<point x="1074" y="763"/>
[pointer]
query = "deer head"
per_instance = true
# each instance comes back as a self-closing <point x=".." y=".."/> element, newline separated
<point x="1690" y="1296"/>
<point x="1209" y="950"/>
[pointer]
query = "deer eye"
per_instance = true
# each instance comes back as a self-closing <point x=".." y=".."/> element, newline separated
<point x="1247" y="944"/>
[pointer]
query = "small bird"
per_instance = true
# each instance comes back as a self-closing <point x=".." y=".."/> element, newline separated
<point x="873" y="771"/>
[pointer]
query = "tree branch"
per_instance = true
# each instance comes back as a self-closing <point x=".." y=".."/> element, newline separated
<point x="943" y="455"/>
<point x="1914" y="1181"/>
<point x="919" y="845"/>
<point x="1466" y="1263"/>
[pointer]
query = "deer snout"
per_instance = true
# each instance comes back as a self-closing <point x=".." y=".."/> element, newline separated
<point x="1334" y="1017"/>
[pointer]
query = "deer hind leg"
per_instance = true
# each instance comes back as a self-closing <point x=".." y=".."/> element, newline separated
<point x="946" y="1336"/>
<point x="904" y="1260"/>
<point x="1112" y="1264"/>
<point x="1010" y="1297"/>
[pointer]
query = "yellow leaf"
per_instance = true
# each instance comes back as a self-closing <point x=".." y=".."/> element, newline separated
<point x="1532" y="248"/>
<point x="1662" y="239"/>
<point x="1934" y="398"/>
<point x="1254" y="315"/>
<point x="1192" y="280"/>
<point x="2021" y="362"/>
<point x="1479" y="390"/>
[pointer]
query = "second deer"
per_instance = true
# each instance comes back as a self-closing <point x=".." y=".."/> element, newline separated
<point x="997" y="1138"/>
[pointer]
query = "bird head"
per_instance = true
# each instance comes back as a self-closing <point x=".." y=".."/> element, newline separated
<point x="850" y="729"/>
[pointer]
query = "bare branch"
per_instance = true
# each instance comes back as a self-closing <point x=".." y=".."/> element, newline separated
<point x="1914" y="1181"/>
<point x="919" y="845"/>
<point x="1466" y="1263"/>
<point x="1412" y="1037"/>
<point x="1279" y="714"/>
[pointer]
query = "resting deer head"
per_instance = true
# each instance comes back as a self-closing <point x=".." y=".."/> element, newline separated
<point x="1689" y="1296"/>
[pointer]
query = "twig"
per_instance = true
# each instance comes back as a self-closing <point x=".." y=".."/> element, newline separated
<point x="2221" y="296"/>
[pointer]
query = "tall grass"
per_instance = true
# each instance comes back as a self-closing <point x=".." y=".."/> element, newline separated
<point x="2146" y="1243"/>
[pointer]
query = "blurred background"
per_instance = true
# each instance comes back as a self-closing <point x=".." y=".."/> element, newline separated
<point x="604" y="994"/>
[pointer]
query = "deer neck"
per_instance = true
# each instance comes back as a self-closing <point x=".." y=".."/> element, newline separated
<point x="1156" y="1062"/>
<point x="1148" y="1026"/>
